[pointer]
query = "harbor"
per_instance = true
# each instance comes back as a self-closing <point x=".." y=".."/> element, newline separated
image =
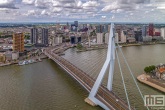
<point x="154" y="76"/>
<point x="24" y="62"/>
<point x="146" y="79"/>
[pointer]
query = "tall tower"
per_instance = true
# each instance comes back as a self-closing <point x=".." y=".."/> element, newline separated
<point x="99" y="29"/>
<point x="76" y="23"/>
<point x="18" y="42"/>
<point x="151" y="30"/>
<point x="67" y="25"/>
<point x="45" y="36"/>
<point x="144" y="31"/>
<point x="163" y="33"/>
<point x="34" y="36"/>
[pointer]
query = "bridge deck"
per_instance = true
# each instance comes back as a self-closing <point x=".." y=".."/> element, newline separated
<point x="104" y="95"/>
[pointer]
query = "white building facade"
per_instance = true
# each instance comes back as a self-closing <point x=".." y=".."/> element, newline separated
<point x="163" y="33"/>
<point x="99" y="38"/>
<point x="123" y="37"/>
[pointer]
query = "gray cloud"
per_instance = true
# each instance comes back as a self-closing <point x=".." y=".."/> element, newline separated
<point x="133" y="1"/>
<point x="83" y="9"/>
<point x="28" y="2"/>
<point x="8" y="4"/>
<point x="42" y="4"/>
<point x="124" y="4"/>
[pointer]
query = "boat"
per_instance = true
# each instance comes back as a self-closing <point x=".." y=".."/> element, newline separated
<point x="119" y="46"/>
<point x="22" y="63"/>
<point x="39" y="60"/>
<point x="26" y="62"/>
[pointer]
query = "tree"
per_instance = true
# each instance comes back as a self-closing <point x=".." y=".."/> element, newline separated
<point x="150" y="69"/>
<point x="147" y="69"/>
<point x="79" y="46"/>
<point x="153" y="67"/>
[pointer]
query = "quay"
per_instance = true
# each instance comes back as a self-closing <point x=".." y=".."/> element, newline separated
<point x="5" y="64"/>
<point x="108" y="98"/>
<point x="148" y="81"/>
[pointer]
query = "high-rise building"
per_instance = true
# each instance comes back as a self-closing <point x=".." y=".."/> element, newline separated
<point x="116" y="38"/>
<point x="157" y="32"/>
<point x="2" y="57"/>
<point x="76" y="23"/>
<point x="73" y="28"/>
<point x="18" y="42"/>
<point x="34" y="35"/>
<point x="72" y="39"/>
<point x="144" y="31"/>
<point x="67" y="25"/>
<point x="99" y="29"/>
<point x="163" y="33"/>
<point x="105" y="28"/>
<point x="45" y="36"/>
<point x="57" y="40"/>
<point x="139" y="36"/>
<point x="123" y="37"/>
<point x="151" y="30"/>
<point x="99" y="38"/>
<point x="106" y="38"/>
<point x="119" y="33"/>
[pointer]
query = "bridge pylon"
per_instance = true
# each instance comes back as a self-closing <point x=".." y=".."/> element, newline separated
<point x="110" y="61"/>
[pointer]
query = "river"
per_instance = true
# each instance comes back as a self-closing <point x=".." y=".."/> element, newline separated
<point x="45" y="86"/>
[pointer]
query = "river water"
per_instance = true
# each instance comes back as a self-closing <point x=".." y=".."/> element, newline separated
<point x="45" y="86"/>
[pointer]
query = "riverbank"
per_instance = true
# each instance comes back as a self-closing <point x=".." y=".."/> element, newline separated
<point x="60" y="49"/>
<point x="104" y="46"/>
<point x="90" y="49"/>
<point x="140" y="44"/>
<point x="16" y="62"/>
<point x="5" y="64"/>
<point x="93" y="47"/>
<point x="146" y="79"/>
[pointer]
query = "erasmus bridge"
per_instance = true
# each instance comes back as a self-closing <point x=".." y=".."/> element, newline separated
<point x="99" y="94"/>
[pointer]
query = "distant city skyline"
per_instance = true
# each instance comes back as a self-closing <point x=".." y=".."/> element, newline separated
<point x="82" y="10"/>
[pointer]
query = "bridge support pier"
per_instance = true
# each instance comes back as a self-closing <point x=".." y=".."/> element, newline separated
<point x="95" y="102"/>
<point x="90" y="102"/>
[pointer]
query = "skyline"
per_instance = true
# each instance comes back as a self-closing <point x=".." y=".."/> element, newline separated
<point x="82" y="10"/>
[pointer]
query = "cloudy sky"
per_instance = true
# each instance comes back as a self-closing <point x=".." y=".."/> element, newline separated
<point x="82" y="10"/>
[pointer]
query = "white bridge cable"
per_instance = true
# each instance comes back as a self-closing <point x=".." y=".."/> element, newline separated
<point x="95" y="62"/>
<point x="95" y="66"/>
<point x="132" y="74"/>
<point x="82" y="65"/>
<point x="93" y="70"/>
<point x="125" y="89"/>
<point x="77" y="59"/>
<point x="100" y="63"/>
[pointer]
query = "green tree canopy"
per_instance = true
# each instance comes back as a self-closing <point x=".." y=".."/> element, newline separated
<point x="149" y="69"/>
<point x="79" y="46"/>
